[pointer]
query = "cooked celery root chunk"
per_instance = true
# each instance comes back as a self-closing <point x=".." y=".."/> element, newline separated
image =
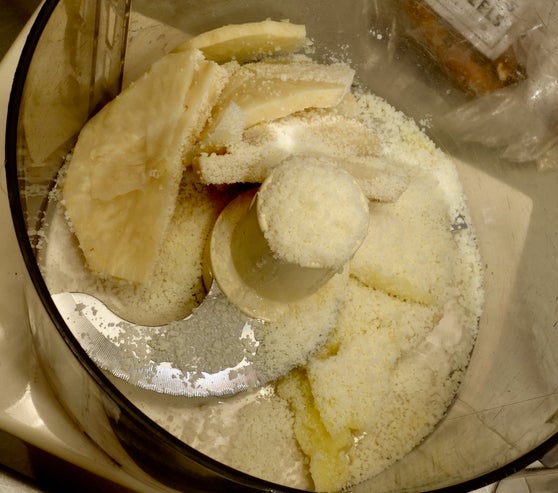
<point x="123" y="177"/>
<point x="245" y="42"/>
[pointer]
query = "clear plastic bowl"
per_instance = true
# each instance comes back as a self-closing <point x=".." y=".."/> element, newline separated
<point x="505" y="414"/>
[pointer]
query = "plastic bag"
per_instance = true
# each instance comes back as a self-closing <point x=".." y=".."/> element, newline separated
<point x="514" y="107"/>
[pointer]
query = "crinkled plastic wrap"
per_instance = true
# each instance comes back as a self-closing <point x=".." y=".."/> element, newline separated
<point x="511" y="94"/>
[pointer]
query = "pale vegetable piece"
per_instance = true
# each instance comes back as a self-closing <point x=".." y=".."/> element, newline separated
<point x="123" y="177"/>
<point x="352" y="146"/>
<point x="267" y="91"/>
<point x="375" y="334"/>
<point x="228" y="131"/>
<point x="246" y="42"/>
<point x="174" y="287"/>
<point x="409" y="251"/>
<point x="326" y="452"/>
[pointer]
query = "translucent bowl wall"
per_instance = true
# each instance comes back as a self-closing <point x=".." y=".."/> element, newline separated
<point x="505" y="414"/>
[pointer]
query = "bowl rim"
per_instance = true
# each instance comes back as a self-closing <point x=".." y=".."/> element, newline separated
<point x="95" y="374"/>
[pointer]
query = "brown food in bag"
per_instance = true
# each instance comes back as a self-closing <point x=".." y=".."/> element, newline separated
<point x="472" y="71"/>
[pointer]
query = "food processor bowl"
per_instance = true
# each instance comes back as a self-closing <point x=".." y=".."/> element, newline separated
<point x="505" y="415"/>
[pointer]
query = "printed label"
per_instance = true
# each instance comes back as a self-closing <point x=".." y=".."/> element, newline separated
<point x="487" y="24"/>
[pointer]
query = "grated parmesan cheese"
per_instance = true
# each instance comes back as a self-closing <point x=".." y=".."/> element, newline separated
<point x="392" y="332"/>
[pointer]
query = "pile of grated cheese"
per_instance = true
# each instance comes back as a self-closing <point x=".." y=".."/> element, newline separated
<point x="394" y="362"/>
<point x="405" y="313"/>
